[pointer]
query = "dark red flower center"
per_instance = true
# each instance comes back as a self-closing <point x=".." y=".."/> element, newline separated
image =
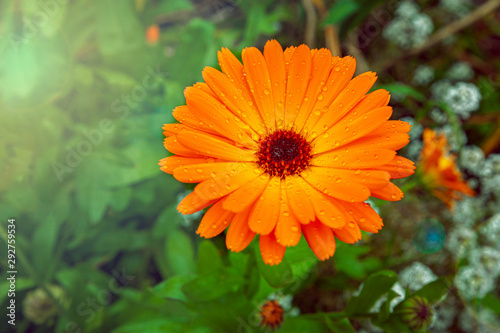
<point x="284" y="153"/>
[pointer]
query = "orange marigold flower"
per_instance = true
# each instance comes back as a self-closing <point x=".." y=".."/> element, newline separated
<point x="286" y="144"/>
<point x="153" y="34"/>
<point x="271" y="313"/>
<point x="438" y="169"/>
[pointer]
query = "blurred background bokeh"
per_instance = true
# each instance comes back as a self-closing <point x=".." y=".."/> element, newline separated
<point x="85" y="87"/>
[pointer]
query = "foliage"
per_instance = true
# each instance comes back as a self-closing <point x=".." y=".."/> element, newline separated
<point x="83" y="96"/>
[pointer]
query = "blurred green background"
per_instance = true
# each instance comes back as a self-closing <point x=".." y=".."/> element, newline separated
<point x="100" y="247"/>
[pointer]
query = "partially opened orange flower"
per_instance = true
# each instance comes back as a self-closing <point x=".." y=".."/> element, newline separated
<point x="438" y="169"/>
<point x="271" y="313"/>
<point x="286" y="144"/>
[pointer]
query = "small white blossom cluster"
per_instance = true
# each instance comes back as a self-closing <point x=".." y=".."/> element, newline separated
<point x="410" y="27"/>
<point x="438" y="116"/>
<point x="482" y="321"/>
<point x="457" y="7"/>
<point x="456" y="139"/>
<point x="473" y="282"/>
<point x="472" y="159"/>
<point x="460" y="71"/>
<point x="413" y="149"/>
<point x="468" y="211"/>
<point x="463" y="98"/>
<point x="416" y="276"/>
<point x="460" y="241"/>
<point x="423" y="75"/>
<point x="285" y="301"/>
<point x="491" y="230"/>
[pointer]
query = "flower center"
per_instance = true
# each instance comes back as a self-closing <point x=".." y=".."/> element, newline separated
<point x="284" y="153"/>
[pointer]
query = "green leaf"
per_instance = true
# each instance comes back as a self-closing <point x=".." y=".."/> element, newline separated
<point x="404" y="90"/>
<point x="435" y="290"/>
<point x="167" y="221"/>
<point x="340" y="325"/>
<point x="374" y="287"/>
<point x="392" y="325"/>
<point x="119" y="29"/>
<point x="171" y="288"/>
<point x="385" y="309"/>
<point x="277" y="276"/>
<point x="213" y="285"/>
<point x="303" y="324"/>
<point x="180" y="253"/>
<point x="492" y="302"/>
<point x="209" y="258"/>
<point x="347" y="260"/>
<point x="341" y="11"/>
<point x="151" y="325"/>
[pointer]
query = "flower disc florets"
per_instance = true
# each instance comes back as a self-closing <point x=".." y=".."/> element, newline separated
<point x="284" y="153"/>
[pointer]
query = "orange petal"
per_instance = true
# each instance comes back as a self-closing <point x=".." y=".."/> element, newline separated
<point x="246" y="195"/>
<point x="363" y="214"/>
<point x="223" y="184"/>
<point x="193" y="203"/>
<point x="239" y="235"/>
<point x="352" y="159"/>
<point x="350" y="128"/>
<point x="271" y="251"/>
<point x="320" y="239"/>
<point x="273" y="53"/>
<point x="391" y="135"/>
<point x="327" y="181"/>
<point x="287" y="230"/>
<point x="183" y="115"/>
<point x="169" y="164"/>
<point x="399" y="167"/>
<point x="259" y="81"/>
<point x="350" y="233"/>
<point x="233" y="98"/>
<point x="298" y="74"/>
<point x="373" y="100"/>
<point x="325" y="211"/>
<point x="216" y="114"/>
<point x="340" y="76"/>
<point x="173" y="145"/>
<point x="197" y="173"/>
<point x="299" y="201"/>
<point x="207" y="145"/>
<point x="232" y="67"/>
<point x="322" y="65"/>
<point x="265" y="213"/>
<point x="390" y="193"/>
<point x="288" y="53"/>
<point x="215" y="220"/>
<point x="345" y="101"/>
<point x="373" y="179"/>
